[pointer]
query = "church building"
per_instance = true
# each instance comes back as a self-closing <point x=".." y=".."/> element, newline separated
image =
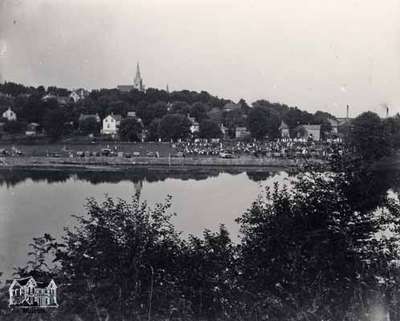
<point x="138" y="83"/>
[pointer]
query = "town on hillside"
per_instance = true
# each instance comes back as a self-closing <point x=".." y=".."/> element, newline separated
<point x="132" y="113"/>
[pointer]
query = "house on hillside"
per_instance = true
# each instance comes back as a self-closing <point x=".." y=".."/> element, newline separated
<point x="132" y="114"/>
<point x="32" y="129"/>
<point x="10" y="115"/>
<point x="83" y="117"/>
<point x="27" y="292"/>
<point x="284" y="130"/>
<point x="232" y="106"/>
<point x="111" y="124"/>
<point x="61" y="100"/>
<point x="78" y="94"/>
<point x="241" y="132"/>
<point x="194" y="124"/>
<point x="312" y="132"/>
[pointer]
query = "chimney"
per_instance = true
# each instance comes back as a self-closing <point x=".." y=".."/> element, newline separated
<point x="347" y="112"/>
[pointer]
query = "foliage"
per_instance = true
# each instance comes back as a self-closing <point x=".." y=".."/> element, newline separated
<point x="392" y="130"/>
<point x="174" y="126"/>
<point x="306" y="253"/>
<point x="209" y="129"/>
<point x="149" y="112"/>
<point x="131" y="129"/>
<point x="89" y="125"/>
<point x="180" y="107"/>
<point x="199" y="111"/>
<point x="263" y="122"/>
<point x="154" y="129"/>
<point x="54" y="123"/>
<point x="14" y="126"/>
<point x="309" y="251"/>
<point x="368" y="137"/>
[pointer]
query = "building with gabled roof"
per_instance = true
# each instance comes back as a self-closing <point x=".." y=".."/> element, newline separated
<point x="83" y="117"/>
<point x="9" y="114"/>
<point x="137" y="83"/>
<point x="284" y="130"/>
<point x="78" y="94"/>
<point x="27" y="292"/>
<point x="194" y="124"/>
<point x="111" y="124"/>
<point x="230" y="106"/>
<point x="312" y="132"/>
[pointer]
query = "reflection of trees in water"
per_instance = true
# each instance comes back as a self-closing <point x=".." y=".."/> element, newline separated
<point x="368" y="188"/>
<point x="11" y="178"/>
<point x="259" y="176"/>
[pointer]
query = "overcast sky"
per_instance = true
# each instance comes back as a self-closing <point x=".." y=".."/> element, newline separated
<point x="311" y="53"/>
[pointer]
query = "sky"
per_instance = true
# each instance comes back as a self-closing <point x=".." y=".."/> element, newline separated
<point x="317" y="55"/>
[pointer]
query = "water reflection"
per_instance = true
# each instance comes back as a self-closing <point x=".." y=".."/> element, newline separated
<point x="33" y="202"/>
<point x="11" y="178"/>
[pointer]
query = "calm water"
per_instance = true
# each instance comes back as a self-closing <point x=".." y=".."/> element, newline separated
<point x="37" y="202"/>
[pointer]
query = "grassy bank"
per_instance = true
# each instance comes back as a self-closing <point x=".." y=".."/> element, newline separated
<point x="124" y="163"/>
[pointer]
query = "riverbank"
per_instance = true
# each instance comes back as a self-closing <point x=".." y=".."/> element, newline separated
<point x="116" y="163"/>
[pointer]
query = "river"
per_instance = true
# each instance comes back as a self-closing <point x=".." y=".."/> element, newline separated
<point x="34" y="202"/>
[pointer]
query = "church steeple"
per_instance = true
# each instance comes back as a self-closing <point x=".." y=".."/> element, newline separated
<point x="138" y="81"/>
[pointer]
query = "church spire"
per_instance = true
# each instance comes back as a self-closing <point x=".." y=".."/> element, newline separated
<point x="138" y="82"/>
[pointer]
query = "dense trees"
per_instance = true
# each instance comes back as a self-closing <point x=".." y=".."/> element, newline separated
<point x="307" y="246"/>
<point x="199" y="111"/>
<point x="131" y="129"/>
<point x="263" y="122"/>
<point x="369" y="137"/>
<point x="174" y="126"/>
<point x="53" y="123"/>
<point x="89" y="125"/>
<point x="209" y="129"/>
<point x="14" y="127"/>
<point x="149" y="112"/>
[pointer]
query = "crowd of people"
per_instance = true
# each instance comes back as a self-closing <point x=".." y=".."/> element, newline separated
<point x="279" y="148"/>
<point x="285" y="148"/>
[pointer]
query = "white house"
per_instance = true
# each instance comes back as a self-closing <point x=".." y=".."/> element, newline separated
<point x="74" y="96"/>
<point x="194" y="125"/>
<point x="284" y="130"/>
<point x="111" y="124"/>
<point x="28" y="292"/>
<point x="241" y="132"/>
<point x="32" y="129"/>
<point x="9" y="114"/>
<point x="78" y="94"/>
<point x="312" y="132"/>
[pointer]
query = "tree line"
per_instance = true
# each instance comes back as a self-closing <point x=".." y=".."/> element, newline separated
<point x="164" y="114"/>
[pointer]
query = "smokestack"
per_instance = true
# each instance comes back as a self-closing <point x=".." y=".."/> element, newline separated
<point x="347" y="112"/>
<point x="387" y="111"/>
